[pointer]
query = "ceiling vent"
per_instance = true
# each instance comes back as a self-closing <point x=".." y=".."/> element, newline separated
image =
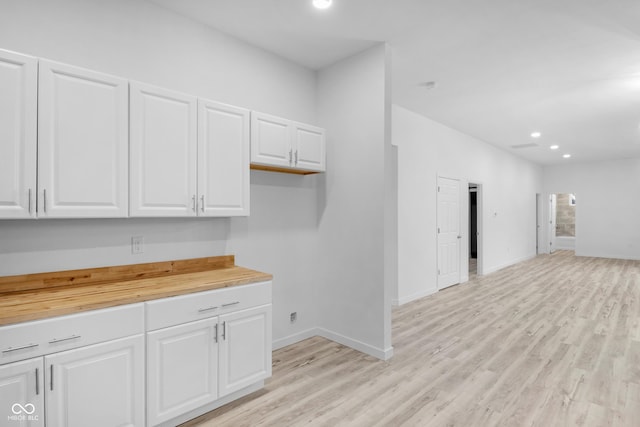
<point x="529" y="145"/>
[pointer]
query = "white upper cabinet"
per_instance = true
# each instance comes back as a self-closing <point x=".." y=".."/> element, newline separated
<point x="223" y="159"/>
<point x="18" y="134"/>
<point x="270" y="140"/>
<point x="309" y="147"/>
<point x="82" y="143"/>
<point x="163" y="152"/>
<point x="286" y="146"/>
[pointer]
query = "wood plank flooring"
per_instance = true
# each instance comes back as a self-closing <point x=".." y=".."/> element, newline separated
<point x="554" y="341"/>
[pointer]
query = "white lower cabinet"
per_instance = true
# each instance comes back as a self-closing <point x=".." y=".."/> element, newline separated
<point x="245" y="348"/>
<point x="182" y="369"/>
<point x="202" y="350"/>
<point x="99" y="385"/>
<point x="22" y="393"/>
<point x="196" y="365"/>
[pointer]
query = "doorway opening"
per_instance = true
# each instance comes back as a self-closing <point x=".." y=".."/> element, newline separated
<point x="475" y="226"/>
<point x="562" y="222"/>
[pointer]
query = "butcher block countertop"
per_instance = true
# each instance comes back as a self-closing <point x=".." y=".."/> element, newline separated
<point x="42" y="295"/>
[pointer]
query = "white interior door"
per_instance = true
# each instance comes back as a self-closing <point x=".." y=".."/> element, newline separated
<point x="552" y="223"/>
<point x="448" y="232"/>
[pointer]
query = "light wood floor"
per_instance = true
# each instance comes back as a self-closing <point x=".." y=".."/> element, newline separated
<point x="554" y="341"/>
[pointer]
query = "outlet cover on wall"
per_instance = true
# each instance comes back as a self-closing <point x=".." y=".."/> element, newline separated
<point x="137" y="244"/>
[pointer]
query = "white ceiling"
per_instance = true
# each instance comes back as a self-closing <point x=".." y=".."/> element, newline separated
<point x="504" y="68"/>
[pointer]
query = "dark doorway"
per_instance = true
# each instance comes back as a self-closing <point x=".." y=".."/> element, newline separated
<point x="473" y="219"/>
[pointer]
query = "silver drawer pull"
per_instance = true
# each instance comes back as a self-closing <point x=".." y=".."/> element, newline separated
<point x="230" y="304"/>
<point x="72" y="337"/>
<point x="24" y="347"/>
<point x="204" y="310"/>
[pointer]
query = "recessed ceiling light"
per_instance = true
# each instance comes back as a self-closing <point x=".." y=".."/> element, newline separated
<point x="535" y="134"/>
<point x="554" y="147"/>
<point x="566" y="156"/>
<point x="322" y="4"/>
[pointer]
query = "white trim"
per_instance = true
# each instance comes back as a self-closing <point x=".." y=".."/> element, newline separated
<point x="609" y="256"/>
<point x="508" y="264"/>
<point x="295" y="338"/>
<point x="416" y="296"/>
<point x="383" y="354"/>
<point x="213" y="405"/>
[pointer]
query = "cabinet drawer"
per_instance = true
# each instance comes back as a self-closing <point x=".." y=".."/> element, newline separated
<point x="31" y="339"/>
<point x="201" y="305"/>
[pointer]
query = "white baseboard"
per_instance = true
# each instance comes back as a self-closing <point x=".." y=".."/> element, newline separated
<point x="383" y="354"/>
<point x="334" y="336"/>
<point x="213" y="405"/>
<point x="611" y="256"/>
<point x="493" y="269"/>
<point x="294" y="338"/>
<point x="406" y="299"/>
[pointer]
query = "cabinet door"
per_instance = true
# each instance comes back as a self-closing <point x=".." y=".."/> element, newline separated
<point x="82" y="143"/>
<point x="309" y="148"/>
<point x="270" y="140"/>
<point x="21" y="394"/>
<point x="245" y="348"/>
<point x="223" y="159"/>
<point x="18" y="133"/>
<point x="182" y="369"/>
<point x="98" y="385"/>
<point x="163" y="150"/>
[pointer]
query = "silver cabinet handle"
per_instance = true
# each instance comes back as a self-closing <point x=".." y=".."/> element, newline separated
<point x="51" y="383"/>
<point x="204" y="310"/>
<point x="229" y="304"/>
<point x="202" y="203"/>
<point x="57" y="340"/>
<point x="224" y="330"/>
<point x="296" y="163"/>
<point x="37" y="382"/>
<point x="290" y="156"/>
<point x="23" y="347"/>
<point x="215" y="337"/>
<point x="29" y="200"/>
<point x="44" y="200"/>
<point x="193" y="203"/>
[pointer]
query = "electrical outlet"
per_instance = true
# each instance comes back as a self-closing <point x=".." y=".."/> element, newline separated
<point x="293" y="316"/>
<point x="137" y="244"/>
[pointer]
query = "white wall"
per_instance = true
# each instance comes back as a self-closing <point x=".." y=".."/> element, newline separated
<point x="138" y="40"/>
<point x="353" y="104"/>
<point x="426" y="150"/>
<point x="607" y="205"/>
